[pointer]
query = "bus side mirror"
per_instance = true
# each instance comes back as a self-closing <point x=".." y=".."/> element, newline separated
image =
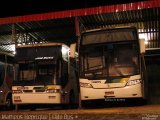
<point x="142" y="45"/>
<point x="72" y="50"/>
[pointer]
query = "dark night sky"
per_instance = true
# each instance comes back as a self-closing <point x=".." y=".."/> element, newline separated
<point x="24" y="7"/>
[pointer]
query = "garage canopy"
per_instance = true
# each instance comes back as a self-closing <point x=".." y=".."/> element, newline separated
<point x="60" y="26"/>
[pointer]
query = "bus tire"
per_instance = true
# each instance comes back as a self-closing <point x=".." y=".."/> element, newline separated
<point x="72" y="99"/>
<point x="16" y="107"/>
<point x="32" y="108"/>
<point x="9" y="104"/>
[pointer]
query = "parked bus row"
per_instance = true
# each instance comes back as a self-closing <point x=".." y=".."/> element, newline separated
<point x="109" y="64"/>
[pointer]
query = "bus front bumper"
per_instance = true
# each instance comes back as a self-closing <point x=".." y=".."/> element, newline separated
<point x="134" y="91"/>
<point x="36" y="98"/>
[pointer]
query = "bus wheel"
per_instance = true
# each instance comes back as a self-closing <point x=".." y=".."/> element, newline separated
<point x="32" y="108"/>
<point x="9" y="104"/>
<point x="16" y="107"/>
<point x="72" y="99"/>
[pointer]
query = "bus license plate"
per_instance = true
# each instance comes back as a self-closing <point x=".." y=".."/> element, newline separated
<point x="109" y="93"/>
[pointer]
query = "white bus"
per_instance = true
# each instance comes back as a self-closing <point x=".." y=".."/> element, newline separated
<point x="44" y="75"/>
<point x="111" y="65"/>
<point x="6" y="79"/>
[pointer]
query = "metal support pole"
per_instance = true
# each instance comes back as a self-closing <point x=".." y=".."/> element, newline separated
<point x="14" y="39"/>
<point x="77" y="29"/>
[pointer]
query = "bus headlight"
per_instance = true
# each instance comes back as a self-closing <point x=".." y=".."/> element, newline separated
<point x="16" y="91"/>
<point x="86" y="85"/>
<point x="133" y="82"/>
<point x="53" y="91"/>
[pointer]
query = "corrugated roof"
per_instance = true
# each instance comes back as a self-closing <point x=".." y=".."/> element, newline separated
<point x="143" y="16"/>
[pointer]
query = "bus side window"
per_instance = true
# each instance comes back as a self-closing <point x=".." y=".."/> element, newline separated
<point x="16" y="67"/>
<point x="10" y="70"/>
<point x="1" y="74"/>
<point x="64" y="77"/>
<point x="9" y="76"/>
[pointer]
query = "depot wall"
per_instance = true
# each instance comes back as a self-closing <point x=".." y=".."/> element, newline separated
<point x="153" y="71"/>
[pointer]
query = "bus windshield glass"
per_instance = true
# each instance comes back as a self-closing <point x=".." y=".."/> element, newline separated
<point x="27" y="71"/>
<point x="46" y="70"/>
<point x="109" y="60"/>
<point x="38" y="71"/>
<point x="113" y="35"/>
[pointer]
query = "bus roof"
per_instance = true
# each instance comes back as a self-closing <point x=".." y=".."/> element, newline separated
<point x="110" y="28"/>
<point x="40" y="45"/>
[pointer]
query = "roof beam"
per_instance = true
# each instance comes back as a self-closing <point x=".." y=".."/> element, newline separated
<point x="82" y="12"/>
<point x="41" y="29"/>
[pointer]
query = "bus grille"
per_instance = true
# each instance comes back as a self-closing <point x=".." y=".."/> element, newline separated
<point x="27" y="91"/>
<point x="39" y="90"/>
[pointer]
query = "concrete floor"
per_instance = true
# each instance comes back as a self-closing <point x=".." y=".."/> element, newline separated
<point x="146" y="112"/>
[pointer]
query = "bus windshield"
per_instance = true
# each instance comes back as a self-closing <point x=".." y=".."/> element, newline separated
<point x="39" y="71"/>
<point x="46" y="70"/>
<point x="109" y="60"/>
<point x="27" y="71"/>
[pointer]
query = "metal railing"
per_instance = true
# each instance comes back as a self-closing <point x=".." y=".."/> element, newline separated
<point x="154" y="44"/>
